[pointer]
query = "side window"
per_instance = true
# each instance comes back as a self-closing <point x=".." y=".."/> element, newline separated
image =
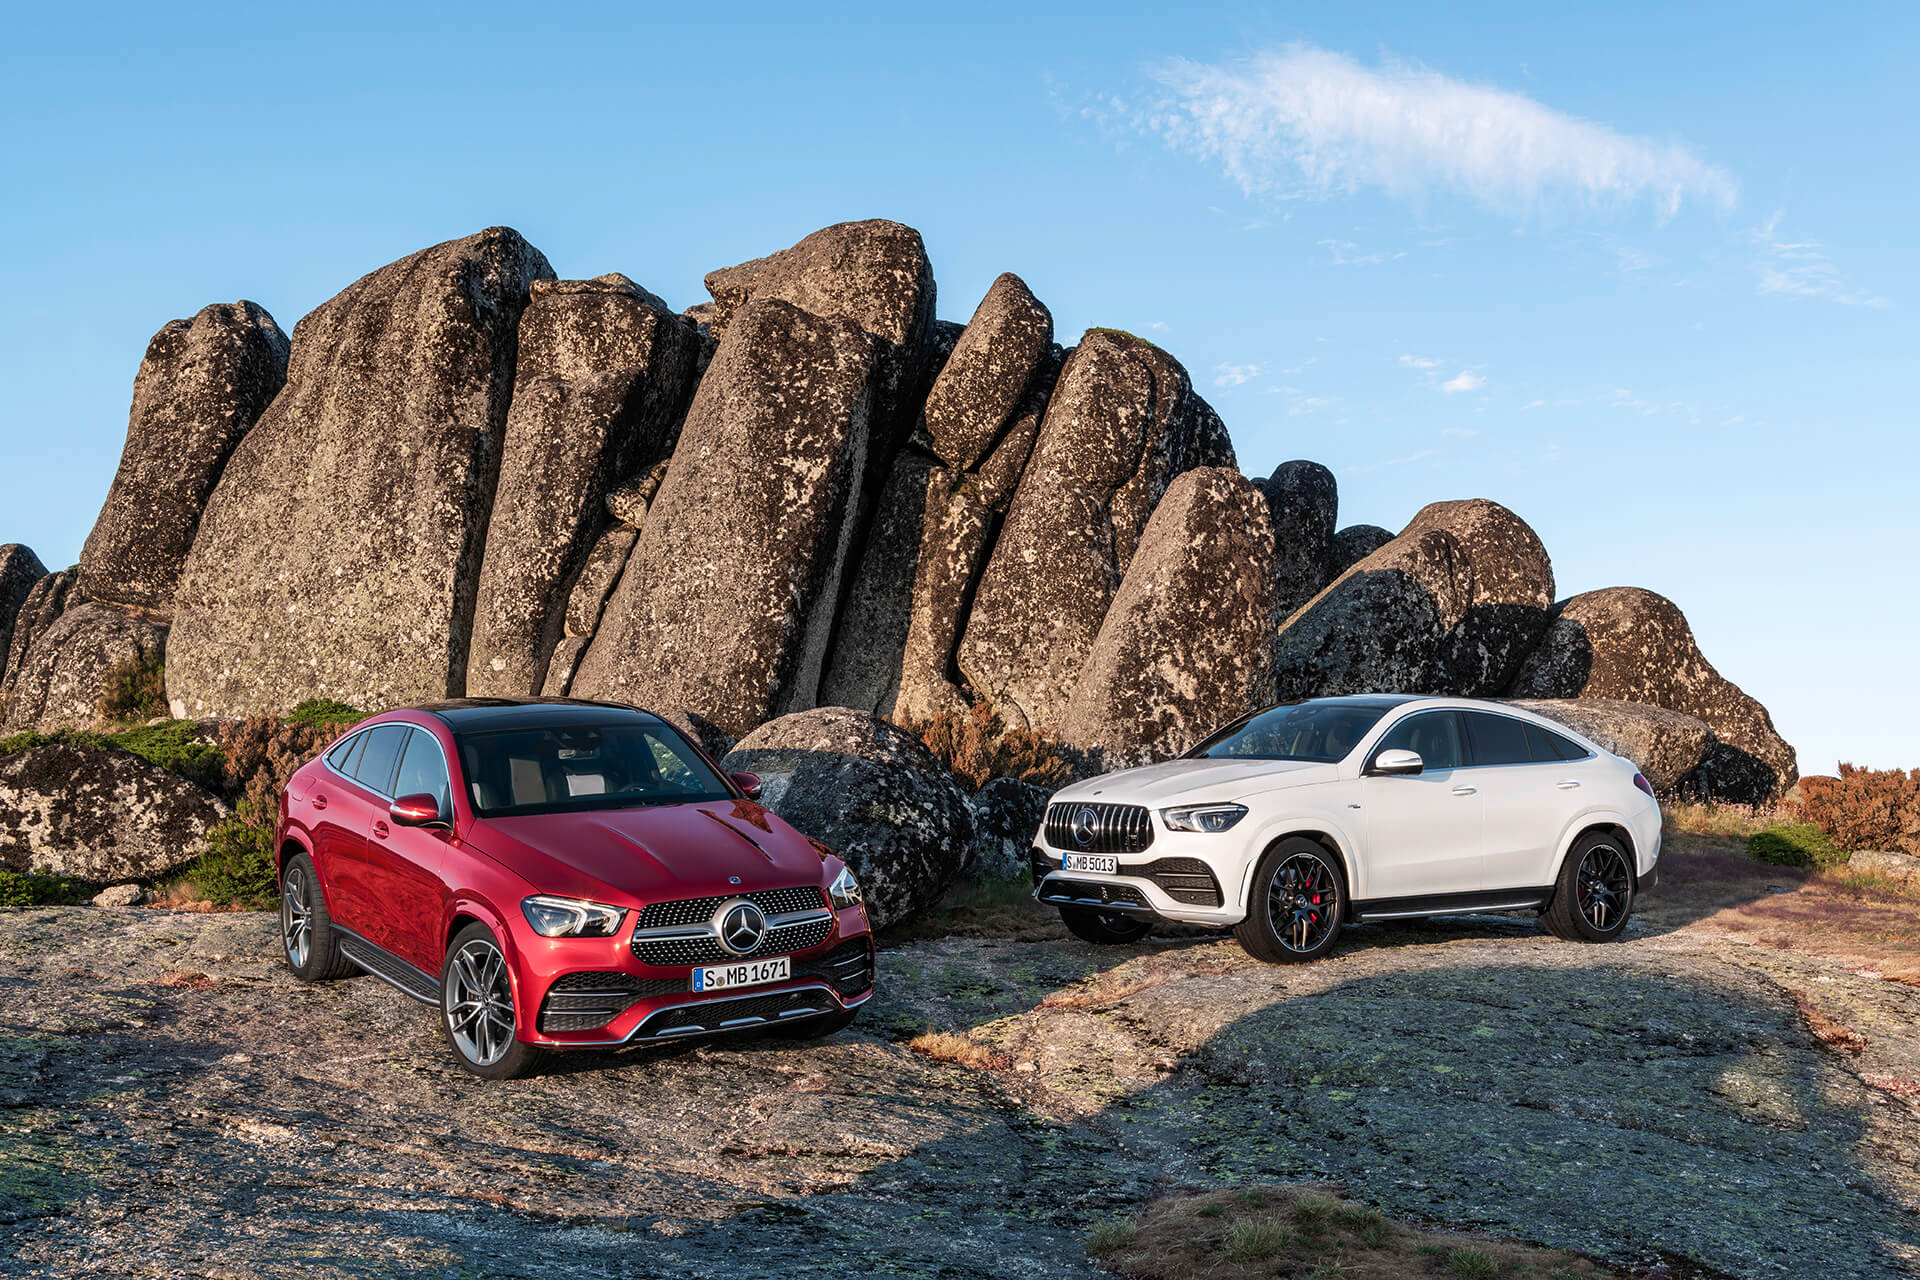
<point x="1564" y="748"/>
<point x="1435" y="735"/>
<point x="375" y="769"/>
<point x="423" y="771"/>
<point x="344" y="756"/>
<point x="1497" y="739"/>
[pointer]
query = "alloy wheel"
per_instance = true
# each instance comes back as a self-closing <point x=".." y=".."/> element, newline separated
<point x="479" y="1003"/>
<point x="1303" y="901"/>
<point x="296" y="918"/>
<point x="1603" y="886"/>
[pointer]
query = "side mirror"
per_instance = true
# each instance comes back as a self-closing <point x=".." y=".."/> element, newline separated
<point x="749" y="783"/>
<point x="420" y="810"/>
<point x="1397" y="763"/>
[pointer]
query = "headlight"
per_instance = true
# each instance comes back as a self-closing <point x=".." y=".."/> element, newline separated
<point x="571" y="917"/>
<point x="845" y="890"/>
<point x="1203" y="817"/>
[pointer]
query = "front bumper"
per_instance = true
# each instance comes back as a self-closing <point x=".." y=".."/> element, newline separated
<point x="1153" y="883"/>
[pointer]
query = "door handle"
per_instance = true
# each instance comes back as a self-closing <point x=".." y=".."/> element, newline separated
<point x="319" y="802"/>
<point x="1567" y="785"/>
<point x="1465" y="791"/>
<point x="380" y="829"/>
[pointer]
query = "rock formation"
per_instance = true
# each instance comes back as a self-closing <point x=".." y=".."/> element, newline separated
<point x="1451" y="606"/>
<point x="1665" y="744"/>
<point x="727" y="602"/>
<point x="1188" y="643"/>
<point x="200" y="389"/>
<point x="46" y="600"/>
<point x="67" y="667"/>
<point x="871" y="793"/>
<point x="339" y="555"/>
<point x="1353" y="544"/>
<point x="1006" y="817"/>
<point x="1634" y="645"/>
<point x="599" y="390"/>
<point x="1304" y="501"/>
<point x="20" y="569"/>
<point x="99" y="814"/>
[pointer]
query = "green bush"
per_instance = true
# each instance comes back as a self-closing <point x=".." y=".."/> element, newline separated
<point x="135" y="689"/>
<point x="237" y="867"/>
<point x="326" y="712"/>
<point x="31" y="889"/>
<point x="1795" y="844"/>
<point x="170" y="746"/>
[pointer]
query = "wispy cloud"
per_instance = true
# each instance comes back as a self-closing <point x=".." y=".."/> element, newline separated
<point x="1465" y="380"/>
<point x="1345" y="253"/>
<point x="1233" y="375"/>
<point x="1532" y="404"/>
<point x="1419" y="362"/>
<point x="1802" y="267"/>
<point x="1307" y="122"/>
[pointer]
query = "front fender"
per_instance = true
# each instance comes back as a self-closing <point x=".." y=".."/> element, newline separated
<point x="1345" y="840"/>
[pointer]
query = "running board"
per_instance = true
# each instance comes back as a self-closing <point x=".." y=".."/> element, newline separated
<point x="1452" y="904"/>
<point x="388" y="967"/>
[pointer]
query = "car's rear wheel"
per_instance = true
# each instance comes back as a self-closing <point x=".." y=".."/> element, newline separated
<point x="1295" y="903"/>
<point x="816" y="1028"/>
<point x="476" y="1007"/>
<point x="1595" y="894"/>
<point x="306" y="930"/>
<point x="1108" y="928"/>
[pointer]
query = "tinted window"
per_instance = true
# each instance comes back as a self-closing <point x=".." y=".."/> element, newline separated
<point x="584" y="766"/>
<point x="1319" y="731"/>
<point x="424" y="772"/>
<point x="1564" y="748"/>
<point x="1497" y="739"/>
<point x="374" y="770"/>
<point x="343" y="756"/>
<point x="1434" y="734"/>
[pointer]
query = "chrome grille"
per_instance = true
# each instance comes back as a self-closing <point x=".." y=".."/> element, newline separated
<point x="1116" y="828"/>
<point x="775" y="902"/>
<point x="668" y="953"/>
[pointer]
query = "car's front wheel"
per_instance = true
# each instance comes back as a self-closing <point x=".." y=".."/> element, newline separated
<point x="306" y="930"/>
<point x="1108" y="928"/>
<point x="1595" y="894"/>
<point x="1295" y="903"/>
<point x="476" y="1008"/>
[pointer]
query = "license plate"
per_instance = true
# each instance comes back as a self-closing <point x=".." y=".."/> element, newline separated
<point x="748" y="973"/>
<point x="1089" y="862"/>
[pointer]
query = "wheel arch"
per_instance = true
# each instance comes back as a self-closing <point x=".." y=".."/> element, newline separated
<point x="1322" y="834"/>
<point x="1613" y="826"/>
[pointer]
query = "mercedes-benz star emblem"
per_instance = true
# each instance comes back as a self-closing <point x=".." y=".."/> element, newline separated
<point x="1084" y="822"/>
<point x="740" y="925"/>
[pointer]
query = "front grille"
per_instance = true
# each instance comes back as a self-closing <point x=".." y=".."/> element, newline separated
<point x="732" y="1015"/>
<point x="1090" y="892"/>
<point x="584" y="1001"/>
<point x="668" y="953"/>
<point x="775" y="902"/>
<point x="1116" y="828"/>
<point x="848" y="968"/>
<point x="1187" y="880"/>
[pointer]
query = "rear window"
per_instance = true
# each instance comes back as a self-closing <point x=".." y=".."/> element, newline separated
<point x="1497" y="739"/>
<point x="374" y="768"/>
<point x="1548" y="745"/>
<point x="561" y="768"/>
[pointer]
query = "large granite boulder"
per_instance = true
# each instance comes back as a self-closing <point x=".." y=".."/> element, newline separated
<point x="202" y="385"/>
<point x="1353" y="544"/>
<point x="874" y="273"/>
<point x="870" y="792"/>
<point x="1304" y="501"/>
<point x="601" y="385"/>
<point x="68" y="666"/>
<point x="20" y="570"/>
<point x="939" y="509"/>
<point x="592" y="587"/>
<point x="1451" y="606"/>
<point x="1007" y="813"/>
<point x="727" y="602"/>
<point x="1122" y="422"/>
<point x="340" y="553"/>
<point x="46" y="600"/>
<point x="99" y="814"/>
<point x="1665" y="744"/>
<point x="1188" y="643"/>
<point x="1634" y="645"/>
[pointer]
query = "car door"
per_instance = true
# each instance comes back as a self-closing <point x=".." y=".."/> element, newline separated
<point x="353" y="803"/>
<point x="404" y="863"/>
<point x="335" y="815"/>
<point x="1523" y="808"/>
<point x="1424" y="830"/>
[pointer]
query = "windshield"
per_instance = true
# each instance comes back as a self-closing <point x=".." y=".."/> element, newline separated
<point x="562" y="768"/>
<point x="1317" y="731"/>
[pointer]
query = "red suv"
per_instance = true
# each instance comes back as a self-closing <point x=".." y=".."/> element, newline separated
<point x="563" y="875"/>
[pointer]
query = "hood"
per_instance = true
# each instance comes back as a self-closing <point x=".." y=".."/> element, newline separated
<point x="1177" y="781"/>
<point x="650" y="853"/>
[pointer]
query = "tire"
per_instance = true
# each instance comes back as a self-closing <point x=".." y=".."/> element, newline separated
<point x="1295" y="903"/>
<point x="816" y="1028"/>
<point x="306" y="930"/>
<point x="476" y="1008"/>
<point x="1594" y="897"/>
<point x="1106" y="928"/>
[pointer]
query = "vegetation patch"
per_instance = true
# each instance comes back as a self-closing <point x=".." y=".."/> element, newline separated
<point x="172" y="745"/>
<point x="944" y="1046"/>
<point x="134" y="690"/>
<point x="31" y="889"/>
<point x="979" y="746"/>
<point x="1795" y="844"/>
<point x="1309" y="1233"/>
<point x="1866" y="808"/>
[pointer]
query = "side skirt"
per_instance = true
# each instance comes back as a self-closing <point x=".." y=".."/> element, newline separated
<point x="1443" y="904"/>
<point x="388" y="967"/>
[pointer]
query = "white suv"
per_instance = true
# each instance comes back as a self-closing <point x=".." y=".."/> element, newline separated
<point x="1295" y="820"/>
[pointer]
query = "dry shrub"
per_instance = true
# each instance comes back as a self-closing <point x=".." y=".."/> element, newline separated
<point x="979" y="746"/>
<point x="1866" y="808"/>
<point x="1833" y="1033"/>
<point x="943" y="1046"/>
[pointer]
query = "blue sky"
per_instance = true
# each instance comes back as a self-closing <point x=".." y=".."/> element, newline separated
<point x="1646" y="277"/>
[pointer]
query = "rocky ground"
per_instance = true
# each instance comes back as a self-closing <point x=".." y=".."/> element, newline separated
<point x="172" y="1103"/>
